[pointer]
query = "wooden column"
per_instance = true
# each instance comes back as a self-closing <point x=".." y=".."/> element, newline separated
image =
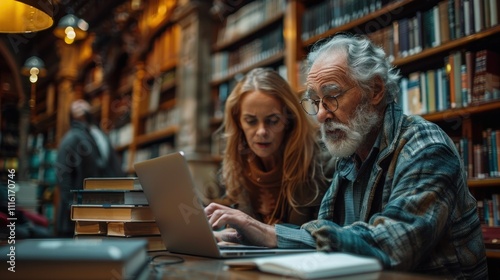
<point x="294" y="51"/>
<point x="193" y="74"/>
<point x="193" y="93"/>
<point x="68" y="71"/>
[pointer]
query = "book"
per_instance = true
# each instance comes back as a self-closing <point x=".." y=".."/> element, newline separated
<point x="486" y="83"/>
<point x="66" y="258"/>
<point x="457" y="78"/>
<point x="414" y="94"/>
<point x="154" y="242"/>
<point x="108" y="213"/>
<point x="444" y="23"/>
<point x="130" y="197"/>
<point x="90" y="227"/>
<point x="310" y="265"/>
<point x="491" y="235"/>
<point x="111" y="183"/>
<point x="403" y="37"/>
<point x="132" y="228"/>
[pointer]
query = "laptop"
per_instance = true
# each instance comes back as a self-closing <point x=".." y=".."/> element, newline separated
<point x="178" y="210"/>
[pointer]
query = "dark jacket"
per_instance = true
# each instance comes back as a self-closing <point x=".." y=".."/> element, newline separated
<point x="78" y="158"/>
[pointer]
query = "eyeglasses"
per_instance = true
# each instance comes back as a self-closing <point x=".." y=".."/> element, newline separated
<point x="330" y="103"/>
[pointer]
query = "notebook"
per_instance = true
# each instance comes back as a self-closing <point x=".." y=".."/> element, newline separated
<point x="178" y="211"/>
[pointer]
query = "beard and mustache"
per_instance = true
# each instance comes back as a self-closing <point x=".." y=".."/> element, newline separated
<point x="343" y="140"/>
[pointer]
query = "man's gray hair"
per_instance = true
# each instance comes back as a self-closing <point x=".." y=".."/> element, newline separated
<point x="364" y="59"/>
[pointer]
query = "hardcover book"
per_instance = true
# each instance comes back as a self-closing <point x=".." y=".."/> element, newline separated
<point x="486" y="83"/>
<point x="108" y="213"/>
<point x="112" y="183"/>
<point x="90" y="227"/>
<point x="154" y="242"/>
<point x="129" y="197"/>
<point x="56" y="259"/>
<point x="132" y="228"/>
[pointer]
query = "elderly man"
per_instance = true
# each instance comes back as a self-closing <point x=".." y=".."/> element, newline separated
<point x="399" y="192"/>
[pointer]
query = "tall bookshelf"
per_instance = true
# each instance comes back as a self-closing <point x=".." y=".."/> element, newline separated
<point x="136" y="100"/>
<point x="155" y="97"/>
<point x="148" y="102"/>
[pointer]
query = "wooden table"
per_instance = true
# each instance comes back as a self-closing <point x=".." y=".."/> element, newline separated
<point x="174" y="266"/>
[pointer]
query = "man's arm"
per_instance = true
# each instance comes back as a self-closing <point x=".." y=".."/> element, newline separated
<point x="292" y="238"/>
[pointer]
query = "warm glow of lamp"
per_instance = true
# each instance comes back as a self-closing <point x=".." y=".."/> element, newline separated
<point x="71" y="28"/>
<point x="25" y="16"/>
<point x="34" y="68"/>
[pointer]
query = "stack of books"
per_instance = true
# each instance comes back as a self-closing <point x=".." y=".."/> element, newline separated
<point x="114" y="208"/>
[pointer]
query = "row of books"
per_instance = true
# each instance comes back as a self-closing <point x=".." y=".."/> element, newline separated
<point x="162" y="119"/>
<point x="227" y="63"/>
<point x="333" y="13"/>
<point x="42" y="165"/>
<point x="153" y="151"/>
<point x="489" y="210"/>
<point x="249" y="16"/>
<point x="481" y="160"/>
<point x="487" y="155"/>
<point x="164" y="53"/>
<point x="121" y="136"/>
<point x="114" y="208"/>
<point x="469" y="77"/>
<point x="447" y="21"/>
<point x="224" y="89"/>
<point x="160" y="85"/>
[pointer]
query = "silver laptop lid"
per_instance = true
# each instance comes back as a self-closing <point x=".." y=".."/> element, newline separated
<point x="171" y="193"/>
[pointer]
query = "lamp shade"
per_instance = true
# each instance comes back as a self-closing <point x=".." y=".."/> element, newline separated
<point x="34" y="66"/>
<point x="25" y="16"/>
<point x="71" y="28"/>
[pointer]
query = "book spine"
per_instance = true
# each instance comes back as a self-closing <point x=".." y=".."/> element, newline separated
<point x="497" y="145"/>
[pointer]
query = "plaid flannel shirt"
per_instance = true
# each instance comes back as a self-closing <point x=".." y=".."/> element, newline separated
<point x="417" y="214"/>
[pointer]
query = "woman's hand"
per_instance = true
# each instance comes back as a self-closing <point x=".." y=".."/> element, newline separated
<point x="245" y="229"/>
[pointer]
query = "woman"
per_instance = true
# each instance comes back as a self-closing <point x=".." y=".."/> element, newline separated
<point x="271" y="168"/>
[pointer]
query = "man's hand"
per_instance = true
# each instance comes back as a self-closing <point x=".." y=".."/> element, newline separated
<point x="246" y="229"/>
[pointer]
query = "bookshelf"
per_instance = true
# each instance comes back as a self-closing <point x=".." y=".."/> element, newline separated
<point x="148" y="102"/>
<point x="135" y="97"/>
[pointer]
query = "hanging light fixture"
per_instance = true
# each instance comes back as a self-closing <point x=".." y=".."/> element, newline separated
<point x="25" y="16"/>
<point x="71" y="28"/>
<point x="33" y="68"/>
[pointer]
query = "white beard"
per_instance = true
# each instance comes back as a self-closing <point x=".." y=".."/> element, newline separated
<point x="365" y="119"/>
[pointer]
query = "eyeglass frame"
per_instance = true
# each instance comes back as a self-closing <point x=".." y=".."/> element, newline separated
<point x="318" y="101"/>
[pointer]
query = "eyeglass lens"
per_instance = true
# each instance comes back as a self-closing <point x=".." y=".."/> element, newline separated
<point x="330" y="103"/>
<point x="311" y="105"/>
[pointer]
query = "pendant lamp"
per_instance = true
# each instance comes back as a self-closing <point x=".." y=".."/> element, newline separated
<point x="25" y="16"/>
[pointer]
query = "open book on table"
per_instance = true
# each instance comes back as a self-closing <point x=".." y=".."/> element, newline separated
<point x="310" y="265"/>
